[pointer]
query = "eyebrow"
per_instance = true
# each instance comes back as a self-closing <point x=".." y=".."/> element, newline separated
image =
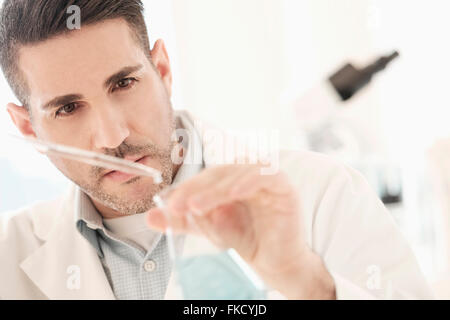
<point x="61" y="101"/>
<point x="121" y="74"/>
<point x="69" y="98"/>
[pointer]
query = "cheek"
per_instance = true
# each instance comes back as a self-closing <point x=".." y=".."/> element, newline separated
<point x="71" y="133"/>
<point x="74" y="170"/>
<point x="152" y="116"/>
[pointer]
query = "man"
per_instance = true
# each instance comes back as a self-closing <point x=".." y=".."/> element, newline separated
<point x="311" y="230"/>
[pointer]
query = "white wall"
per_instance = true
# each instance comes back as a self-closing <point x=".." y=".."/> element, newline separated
<point x="231" y="58"/>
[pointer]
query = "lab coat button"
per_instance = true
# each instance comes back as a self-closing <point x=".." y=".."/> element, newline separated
<point x="149" y="265"/>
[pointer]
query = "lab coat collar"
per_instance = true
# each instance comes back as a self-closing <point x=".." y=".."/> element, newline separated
<point x="66" y="266"/>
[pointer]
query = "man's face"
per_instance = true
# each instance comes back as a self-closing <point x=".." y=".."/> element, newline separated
<point x="96" y="89"/>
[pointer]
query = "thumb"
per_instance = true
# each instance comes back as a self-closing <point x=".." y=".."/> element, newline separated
<point x="156" y="219"/>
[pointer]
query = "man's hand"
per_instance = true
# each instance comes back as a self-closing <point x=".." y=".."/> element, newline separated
<point x="258" y="215"/>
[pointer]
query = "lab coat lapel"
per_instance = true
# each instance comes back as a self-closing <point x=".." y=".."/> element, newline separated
<point x="66" y="266"/>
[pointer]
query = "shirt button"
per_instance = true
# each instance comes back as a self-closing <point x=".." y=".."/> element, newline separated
<point x="149" y="265"/>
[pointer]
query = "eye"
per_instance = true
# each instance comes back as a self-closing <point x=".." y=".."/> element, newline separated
<point x="68" y="109"/>
<point x="124" y="84"/>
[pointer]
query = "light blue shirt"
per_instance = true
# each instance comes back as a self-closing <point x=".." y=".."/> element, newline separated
<point x="132" y="271"/>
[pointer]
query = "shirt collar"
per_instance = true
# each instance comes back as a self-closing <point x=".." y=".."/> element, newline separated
<point x="87" y="219"/>
<point x="193" y="161"/>
<point x="85" y="211"/>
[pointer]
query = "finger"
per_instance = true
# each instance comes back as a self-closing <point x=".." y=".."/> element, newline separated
<point x="159" y="220"/>
<point x="206" y="227"/>
<point x="177" y="201"/>
<point x="206" y="200"/>
<point x="253" y="182"/>
<point x="156" y="219"/>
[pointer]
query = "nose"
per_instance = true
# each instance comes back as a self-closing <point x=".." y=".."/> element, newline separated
<point x="110" y="129"/>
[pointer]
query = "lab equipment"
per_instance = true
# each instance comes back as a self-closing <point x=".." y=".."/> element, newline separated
<point x="316" y="110"/>
<point x="317" y="105"/>
<point x="203" y="270"/>
<point x="92" y="158"/>
<point x="349" y="80"/>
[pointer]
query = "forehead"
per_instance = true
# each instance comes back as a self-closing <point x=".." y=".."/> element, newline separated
<point x="78" y="61"/>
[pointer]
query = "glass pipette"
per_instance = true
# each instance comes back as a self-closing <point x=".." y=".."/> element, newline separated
<point x="93" y="158"/>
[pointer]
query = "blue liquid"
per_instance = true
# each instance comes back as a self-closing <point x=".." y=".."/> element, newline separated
<point x="215" y="277"/>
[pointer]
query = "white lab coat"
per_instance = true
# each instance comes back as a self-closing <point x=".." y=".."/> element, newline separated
<point x="345" y="223"/>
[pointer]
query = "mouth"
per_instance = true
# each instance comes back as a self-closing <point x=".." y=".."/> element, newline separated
<point x="121" y="177"/>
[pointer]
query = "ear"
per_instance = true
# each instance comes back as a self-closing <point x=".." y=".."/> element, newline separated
<point x="160" y="59"/>
<point x="21" y="118"/>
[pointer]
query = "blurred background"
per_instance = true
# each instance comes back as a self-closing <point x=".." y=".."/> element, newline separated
<point x="259" y="64"/>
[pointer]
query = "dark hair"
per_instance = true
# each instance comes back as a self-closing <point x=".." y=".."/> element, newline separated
<point x="25" y="22"/>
